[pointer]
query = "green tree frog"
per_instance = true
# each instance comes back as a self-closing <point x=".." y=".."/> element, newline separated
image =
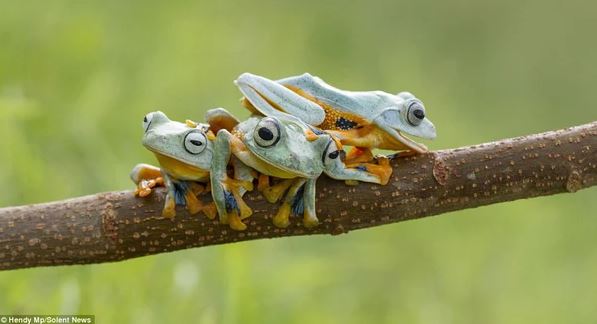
<point x="362" y="119"/>
<point x="284" y="147"/>
<point x="184" y="152"/>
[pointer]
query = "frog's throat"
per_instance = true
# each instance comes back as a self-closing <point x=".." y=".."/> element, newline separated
<point x="180" y="170"/>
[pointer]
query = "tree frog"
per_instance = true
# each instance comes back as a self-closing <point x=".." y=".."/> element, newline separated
<point x="362" y="119"/>
<point x="281" y="146"/>
<point x="184" y="151"/>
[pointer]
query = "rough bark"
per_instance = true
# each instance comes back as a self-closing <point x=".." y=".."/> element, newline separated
<point x="116" y="226"/>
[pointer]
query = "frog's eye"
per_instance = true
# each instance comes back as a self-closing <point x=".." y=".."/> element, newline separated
<point x="147" y="121"/>
<point x="415" y="113"/>
<point x="195" y="142"/>
<point x="332" y="153"/>
<point x="267" y="132"/>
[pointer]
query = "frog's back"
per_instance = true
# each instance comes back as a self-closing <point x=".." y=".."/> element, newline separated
<point x="361" y="103"/>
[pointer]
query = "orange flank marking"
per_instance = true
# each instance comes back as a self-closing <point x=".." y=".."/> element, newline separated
<point x="369" y="136"/>
<point x="247" y="104"/>
<point x="332" y="114"/>
<point x="310" y="135"/>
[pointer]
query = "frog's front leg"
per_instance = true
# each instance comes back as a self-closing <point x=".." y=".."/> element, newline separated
<point x="169" y="210"/>
<point x="309" y="214"/>
<point x="146" y="177"/>
<point x="293" y="203"/>
<point x="226" y="192"/>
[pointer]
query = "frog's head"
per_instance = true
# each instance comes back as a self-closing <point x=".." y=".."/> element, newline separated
<point x="177" y="141"/>
<point x="405" y="114"/>
<point x="281" y="142"/>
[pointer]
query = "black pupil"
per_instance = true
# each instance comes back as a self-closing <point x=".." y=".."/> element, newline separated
<point x="334" y="154"/>
<point x="145" y="119"/>
<point x="266" y="134"/>
<point x="419" y="113"/>
<point x="196" y="142"/>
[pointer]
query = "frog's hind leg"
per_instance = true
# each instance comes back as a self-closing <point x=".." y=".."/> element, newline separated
<point x="146" y="177"/>
<point x="169" y="210"/>
<point x="382" y="169"/>
<point x="225" y="190"/>
<point x="292" y="201"/>
<point x="194" y="204"/>
<point x="273" y="193"/>
<point x="364" y="172"/>
<point x="243" y="179"/>
<point x="358" y="155"/>
<point x="270" y="97"/>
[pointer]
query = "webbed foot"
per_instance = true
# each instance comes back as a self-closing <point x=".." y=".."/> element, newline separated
<point x="235" y="223"/>
<point x="145" y="187"/>
<point x="293" y="202"/>
<point x="210" y="210"/>
<point x="146" y="177"/>
<point x="382" y="169"/>
<point x="194" y="205"/>
<point x="234" y="187"/>
<point x="359" y="155"/>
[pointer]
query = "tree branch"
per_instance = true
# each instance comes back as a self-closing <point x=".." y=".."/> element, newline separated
<point x="116" y="226"/>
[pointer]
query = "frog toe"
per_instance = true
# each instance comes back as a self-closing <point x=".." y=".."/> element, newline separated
<point x="193" y="204"/>
<point x="142" y="189"/>
<point x="383" y="170"/>
<point x="358" y="155"/>
<point x="210" y="210"/>
<point x="281" y="217"/>
<point x="235" y="222"/>
<point x="169" y="210"/>
<point x="310" y="220"/>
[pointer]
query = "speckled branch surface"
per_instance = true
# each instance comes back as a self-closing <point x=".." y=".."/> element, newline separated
<point x="116" y="226"/>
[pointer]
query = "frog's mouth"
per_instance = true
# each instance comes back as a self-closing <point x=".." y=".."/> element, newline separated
<point x="410" y="144"/>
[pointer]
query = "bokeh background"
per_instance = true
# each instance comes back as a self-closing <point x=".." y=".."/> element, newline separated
<point x="77" y="77"/>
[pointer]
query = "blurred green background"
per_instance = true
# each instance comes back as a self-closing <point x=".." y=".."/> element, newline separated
<point x="77" y="77"/>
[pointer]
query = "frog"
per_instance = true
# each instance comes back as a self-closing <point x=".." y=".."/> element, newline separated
<point x="184" y="152"/>
<point x="365" y="120"/>
<point x="281" y="146"/>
